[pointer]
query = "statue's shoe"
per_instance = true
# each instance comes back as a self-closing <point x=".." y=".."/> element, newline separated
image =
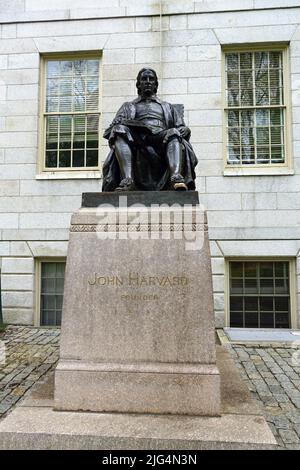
<point x="177" y="183"/>
<point x="180" y="187"/>
<point x="126" y="184"/>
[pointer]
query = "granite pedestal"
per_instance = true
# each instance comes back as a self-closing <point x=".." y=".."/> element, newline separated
<point x="138" y="322"/>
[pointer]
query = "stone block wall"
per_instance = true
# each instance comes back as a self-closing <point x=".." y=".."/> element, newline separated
<point x="254" y="216"/>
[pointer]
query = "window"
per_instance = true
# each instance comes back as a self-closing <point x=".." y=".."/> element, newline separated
<point x="256" y="108"/>
<point x="71" y="113"/>
<point x="259" y="294"/>
<point x="51" y="292"/>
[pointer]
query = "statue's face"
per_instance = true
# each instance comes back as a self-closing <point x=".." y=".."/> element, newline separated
<point x="147" y="83"/>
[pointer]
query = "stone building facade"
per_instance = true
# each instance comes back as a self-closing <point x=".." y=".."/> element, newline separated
<point x="209" y="55"/>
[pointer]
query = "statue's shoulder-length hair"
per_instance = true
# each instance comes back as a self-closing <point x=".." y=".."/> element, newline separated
<point x="138" y="78"/>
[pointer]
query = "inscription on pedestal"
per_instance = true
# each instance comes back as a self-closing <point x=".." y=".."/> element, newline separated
<point x="137" y="282"/>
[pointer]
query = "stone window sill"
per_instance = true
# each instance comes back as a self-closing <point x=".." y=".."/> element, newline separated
<point x="256" y="171"/>
<point x="68" y="175"/>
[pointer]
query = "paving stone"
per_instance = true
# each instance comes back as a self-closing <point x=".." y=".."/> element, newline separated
<point x="288" y="436"/>
<point x="294" y="416"/>
<point x="30" y="354"/>
<point x="297" y="429"/>
<point x="274" y="382"/>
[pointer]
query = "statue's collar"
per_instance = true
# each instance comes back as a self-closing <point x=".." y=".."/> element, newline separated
<point x="153" y="98"/>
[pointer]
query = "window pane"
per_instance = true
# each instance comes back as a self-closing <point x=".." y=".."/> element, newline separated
<point x="48" y="270"/>
<point x="250" y="269"/>
<point x="266" y="286"/>
<point x="48" y="302"/>
<point x="276" y="135"/>
<point x="92" y="67"/>
<point x="236" y="286"/>
<point x="247" y="118"/>
<point x="52" y="87"/>
<point x="79" y="132"/>
<point x="261" y="96"/>
<point x="236" y="320"/>
<point x="266" y="269"/>
<point x="234" y="154"/>
<point x="266" y="304"/>
<point x="248" y="155"/>
<point x="262" y="136"/>
<point x="78" y="158"/>
<point x="246" y="97"/>
<point x="262" y="117"/>
<point x="236" y="269"/>
<point x="59" y="283"/>
<point x="267" y="320"/>
<point x="64" y="158"/>
<point x="233" y="118"/>
<point x="233" y="97"/>
<point x="263" y="155"/>
<point x="92" y="131"/>
<point x="92" y="92"/>
<point x="52" y="132"/>
<point x="51" y="159"/>
<point x="246" y="60"/>
<point x="251" y="320"/>
<point x="234" y="136"/>
<point x="53" y="68"/>
<point x="251" y="304"/>
<point x="274" y="59"/>
<point x="281" y="320"/>
<point x="236" y="303"/>
<point x="80" y="67"/>
<point x="65" y="126"/>
<point x="232" y="61"/>
<point x="277" y="154"/>
<point x="282" y="304"/>
<point x="66" y="68"/>
<point x="65" y="86"/>
<point x="251" y="286"/>
<point x="65" y="103"/>
<point x="247" y="137"/>
<point x="261" y="60"/>
<point x="48" y="285"/>
<point x="92" y="158"/>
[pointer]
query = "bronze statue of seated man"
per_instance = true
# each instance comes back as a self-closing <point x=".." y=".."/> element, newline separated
<point x="149" y="141"/>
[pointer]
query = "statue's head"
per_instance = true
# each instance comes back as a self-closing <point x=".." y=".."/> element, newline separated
<point x="147" y="82"/>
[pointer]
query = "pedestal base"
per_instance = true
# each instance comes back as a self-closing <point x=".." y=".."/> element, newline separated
<point x="150" y="388"/>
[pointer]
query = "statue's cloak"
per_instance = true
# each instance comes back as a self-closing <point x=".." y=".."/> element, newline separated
<point x="151" y="171"/>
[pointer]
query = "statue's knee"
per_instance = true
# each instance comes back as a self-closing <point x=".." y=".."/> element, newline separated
<point x="173" y="135"/>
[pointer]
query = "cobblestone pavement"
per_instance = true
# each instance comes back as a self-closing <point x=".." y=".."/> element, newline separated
<point x="272" y="375"/>
<point x="26" y="355"/>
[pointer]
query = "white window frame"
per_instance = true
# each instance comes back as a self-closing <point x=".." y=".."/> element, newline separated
<point x="285" y="168"/>
<point x="292" y="277"/>
<point x="65" y="173"/>
<point x="38" y="282"/>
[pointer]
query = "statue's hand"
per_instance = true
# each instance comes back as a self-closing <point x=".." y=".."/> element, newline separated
<point x="185" y="132"/>
<point x="118" y="120"/>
